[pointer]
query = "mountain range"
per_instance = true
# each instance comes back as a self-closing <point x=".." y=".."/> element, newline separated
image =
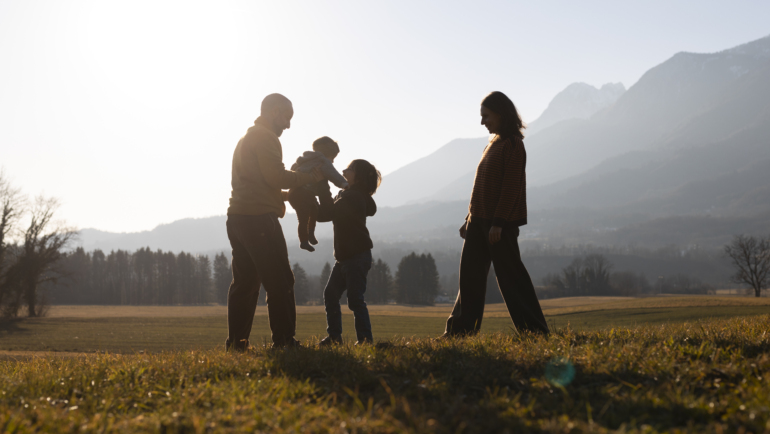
<point x="682" y="156"/>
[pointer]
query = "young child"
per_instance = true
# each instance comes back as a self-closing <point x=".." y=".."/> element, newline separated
<point x="302" y="199"/>
<point x="352" y="251"/>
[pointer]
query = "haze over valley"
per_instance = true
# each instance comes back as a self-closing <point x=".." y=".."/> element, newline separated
<point x="682" y="158"/>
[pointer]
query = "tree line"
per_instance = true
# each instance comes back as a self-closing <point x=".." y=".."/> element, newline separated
<point x="415" y="282"/>
<point x="147" y="277"/>
<point x="592" y="274"/>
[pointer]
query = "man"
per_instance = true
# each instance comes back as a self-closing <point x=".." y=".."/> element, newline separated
<point x="260" y="256"/>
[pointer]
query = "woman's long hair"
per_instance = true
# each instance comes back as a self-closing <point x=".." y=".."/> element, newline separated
<point x="368" y="178"/>
<point x="511" y="124"/>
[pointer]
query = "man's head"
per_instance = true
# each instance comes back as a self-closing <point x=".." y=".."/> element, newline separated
<point x="326" y="146"/>
<point x="277" y="111"/>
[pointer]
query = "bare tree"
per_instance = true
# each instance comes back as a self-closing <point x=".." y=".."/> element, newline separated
<point x="751" y="258"/>
<point x="42" y="248"/>
<point x="11" y="207"/>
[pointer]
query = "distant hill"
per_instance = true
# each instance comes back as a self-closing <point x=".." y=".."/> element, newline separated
<point x="426" y="176"/>
<point x="645" y="116"/>
<point x="577" y="101"/>
<point x="447" y="174"/>
<point x="717" y="162"/>
<point x="691" y="100"/>
<point x="681" y="157"/>
<point x="392" y="224"/>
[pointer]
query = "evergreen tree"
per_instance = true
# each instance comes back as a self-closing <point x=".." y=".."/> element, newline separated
<point x="380" y="283"/>
<point x="204" y="286"/>
<point x="417" y="280"/>
<point x="301" y="285"/>
<point x="223" y="276"/>
<point x="429" y="279"/>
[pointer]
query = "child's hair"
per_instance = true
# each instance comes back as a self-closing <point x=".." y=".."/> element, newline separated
<point x="368" y="178"/>
<point x="326" y="146"/>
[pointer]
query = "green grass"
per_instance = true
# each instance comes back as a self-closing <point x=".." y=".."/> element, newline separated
<point x="129" y="335"/>
<point x="709" y="376"/>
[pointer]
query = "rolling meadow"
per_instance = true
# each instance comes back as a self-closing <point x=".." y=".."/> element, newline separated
<point x="612" y="364"/>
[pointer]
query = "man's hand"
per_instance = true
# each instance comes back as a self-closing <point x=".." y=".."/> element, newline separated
<point x="463" y="230"/>
<point x="495" y="233"/>
<point x="317" y="174"/>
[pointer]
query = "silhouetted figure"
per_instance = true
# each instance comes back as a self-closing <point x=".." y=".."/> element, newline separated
<point x="352" y="250"/>
<point x="260" y="256"/>
<point x="498" y="207"/>
<point x="303" y="199"/>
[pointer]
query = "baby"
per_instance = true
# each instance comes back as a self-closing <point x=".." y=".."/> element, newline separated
<point x="302" y="199"/>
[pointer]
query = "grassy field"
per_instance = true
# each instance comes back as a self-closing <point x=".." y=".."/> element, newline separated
<point x="709" y="376"/>
<point x="127" y="329"/>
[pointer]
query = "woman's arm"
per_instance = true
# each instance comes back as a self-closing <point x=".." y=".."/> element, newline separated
<point x="513" y="173"/>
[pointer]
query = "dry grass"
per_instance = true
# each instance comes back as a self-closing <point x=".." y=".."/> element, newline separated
<point x="703" y="377"/>
<point x="662" y="302"/>
<point x="556" y="306"/>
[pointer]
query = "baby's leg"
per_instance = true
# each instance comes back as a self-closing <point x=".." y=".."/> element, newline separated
<point x="298" y="200"/>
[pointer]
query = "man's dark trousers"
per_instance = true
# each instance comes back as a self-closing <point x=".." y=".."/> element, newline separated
<point x="259" y="258"/>
<point x="512" y="278"/>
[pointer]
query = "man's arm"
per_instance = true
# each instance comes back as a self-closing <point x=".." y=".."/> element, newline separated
<point x="269" y="157"/>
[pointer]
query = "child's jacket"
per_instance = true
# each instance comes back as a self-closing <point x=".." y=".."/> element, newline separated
<point x="348" y="212"/>
<point x="311" y="159"/>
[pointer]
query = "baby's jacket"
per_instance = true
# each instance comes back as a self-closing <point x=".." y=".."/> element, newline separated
<point x="311" y="159"/>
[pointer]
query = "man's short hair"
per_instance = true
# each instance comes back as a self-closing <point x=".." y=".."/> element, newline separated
<point x="326" y="146"/>
<point x="272" y="101"/>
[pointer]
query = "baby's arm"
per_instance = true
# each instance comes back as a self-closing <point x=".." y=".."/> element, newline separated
<point x="327" y="168"/>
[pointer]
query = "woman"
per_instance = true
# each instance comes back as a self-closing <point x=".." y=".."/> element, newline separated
<point x="498" y="207"/>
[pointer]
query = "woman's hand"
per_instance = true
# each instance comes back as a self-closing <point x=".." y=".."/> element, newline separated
<point x="495" y="233"/>
<point x="463" y="230"/>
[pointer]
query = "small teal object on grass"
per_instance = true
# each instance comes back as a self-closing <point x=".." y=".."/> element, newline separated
<point x="560" y="372"/>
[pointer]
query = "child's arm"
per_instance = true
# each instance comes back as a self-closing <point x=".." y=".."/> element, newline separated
<point x="327" y="168"/>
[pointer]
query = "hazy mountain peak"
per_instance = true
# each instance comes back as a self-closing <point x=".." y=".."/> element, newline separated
<point x="576" y="101"/>
<point x="759" y="48"/>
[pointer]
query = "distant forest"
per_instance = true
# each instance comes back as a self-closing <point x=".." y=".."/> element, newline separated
<point x="147" y="277"/>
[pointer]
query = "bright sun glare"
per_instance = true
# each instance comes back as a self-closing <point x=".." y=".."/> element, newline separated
<point x="162" y="59"/>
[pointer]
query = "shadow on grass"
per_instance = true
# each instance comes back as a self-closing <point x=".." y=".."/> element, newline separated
<point x="12" y="325"/>
<point x="465" y="385"/>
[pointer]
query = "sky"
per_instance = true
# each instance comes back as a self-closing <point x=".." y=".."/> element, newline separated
<point x="128" y="112"/>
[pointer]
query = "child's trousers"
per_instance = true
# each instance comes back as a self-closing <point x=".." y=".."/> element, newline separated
<point x="303" y="201"/>
<point x="349" y="275"/>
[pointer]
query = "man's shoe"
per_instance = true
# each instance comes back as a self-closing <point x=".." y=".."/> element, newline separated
<point x="312" y="239"/>
<point x="293" y="343"/>
<point x="363" y="342"/>
<point x="329" y="341"/>
<point x="240" y="346"/>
